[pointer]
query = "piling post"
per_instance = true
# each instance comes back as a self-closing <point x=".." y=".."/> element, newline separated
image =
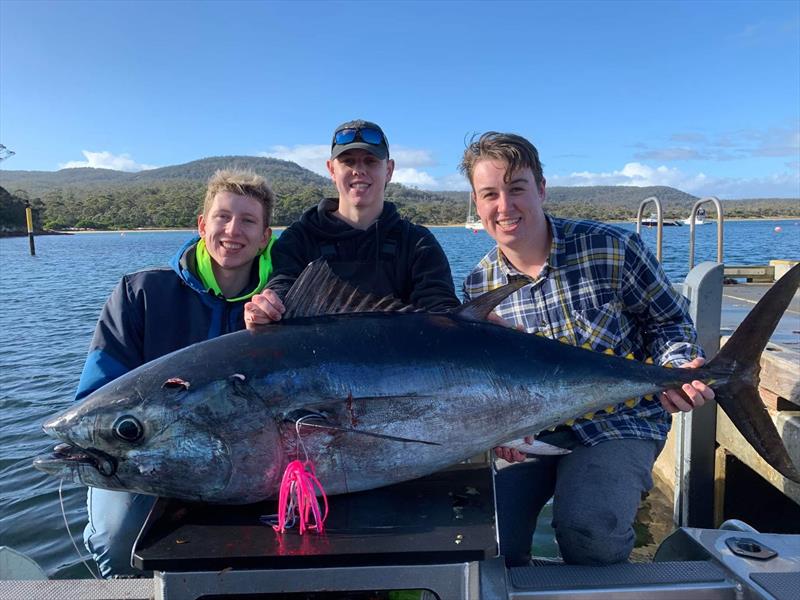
<point x="29" y="219"/>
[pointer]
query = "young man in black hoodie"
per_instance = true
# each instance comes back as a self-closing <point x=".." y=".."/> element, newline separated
<point x="361" y="236"/>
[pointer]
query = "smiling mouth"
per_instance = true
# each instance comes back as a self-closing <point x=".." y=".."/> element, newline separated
<point x="231" y="245"/>
<point x="506" y="223"/>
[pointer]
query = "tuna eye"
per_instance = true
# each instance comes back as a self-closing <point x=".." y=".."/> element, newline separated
<point x="128" y="429"/>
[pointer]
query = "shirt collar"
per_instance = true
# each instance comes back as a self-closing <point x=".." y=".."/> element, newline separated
<point x="558" y="246"/>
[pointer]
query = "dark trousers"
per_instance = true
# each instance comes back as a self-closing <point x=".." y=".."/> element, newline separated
<point x="596" y="492"/>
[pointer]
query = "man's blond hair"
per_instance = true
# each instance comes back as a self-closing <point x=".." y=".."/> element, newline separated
<point x="241" y="183"/>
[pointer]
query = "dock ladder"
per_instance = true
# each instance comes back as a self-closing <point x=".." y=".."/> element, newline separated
<point x="659" y="219"/>
<point x="693" y="218"/>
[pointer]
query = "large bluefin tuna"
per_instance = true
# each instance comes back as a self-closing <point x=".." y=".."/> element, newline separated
<point x="372" y="398"/>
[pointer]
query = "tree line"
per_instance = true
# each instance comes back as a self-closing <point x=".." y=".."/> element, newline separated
<point x="176" y="204"/>
<point x="172" y="197"/>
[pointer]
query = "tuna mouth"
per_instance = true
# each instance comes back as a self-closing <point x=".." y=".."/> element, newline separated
<point x="68" y="456"/>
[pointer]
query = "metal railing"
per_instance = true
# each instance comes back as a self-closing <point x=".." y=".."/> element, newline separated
<point x="659" y="219"/>
<point x="693" y="217"/>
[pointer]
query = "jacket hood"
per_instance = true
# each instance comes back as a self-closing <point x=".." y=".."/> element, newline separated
<point x="184" y="264"/>
<point x="322" y="223"/>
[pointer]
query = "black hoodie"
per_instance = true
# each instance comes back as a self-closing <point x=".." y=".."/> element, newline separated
<point x="391" y="257"/>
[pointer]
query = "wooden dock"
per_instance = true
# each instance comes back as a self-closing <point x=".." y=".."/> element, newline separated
<point x="739" y="299"/>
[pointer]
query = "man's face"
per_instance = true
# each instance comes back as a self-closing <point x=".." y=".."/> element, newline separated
<point x="234" y="230"/>
<point x="511" y="212"/>
<point x="360" y="177"/>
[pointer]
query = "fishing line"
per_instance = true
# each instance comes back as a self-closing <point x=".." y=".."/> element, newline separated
<point x="69" y="532"/>
<point x="297" y="425"/>
<point x="272" y="520"/>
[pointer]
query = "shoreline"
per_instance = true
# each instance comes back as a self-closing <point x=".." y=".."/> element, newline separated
<point x="9" y="234"/>
<point x="632" y="222"/>
<point x="4" y="234"/>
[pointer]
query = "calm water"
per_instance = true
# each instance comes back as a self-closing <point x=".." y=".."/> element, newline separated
<point x="48" y="307"/>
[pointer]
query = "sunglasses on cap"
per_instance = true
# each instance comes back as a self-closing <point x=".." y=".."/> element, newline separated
<point x="367" y="135"/>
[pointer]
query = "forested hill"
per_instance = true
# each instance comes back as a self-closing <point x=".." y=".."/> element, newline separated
<point x="613" y="202"/>
<point x="164" y="197"/>
<point x="37" y="183"/>
<point x="172" y="196"/>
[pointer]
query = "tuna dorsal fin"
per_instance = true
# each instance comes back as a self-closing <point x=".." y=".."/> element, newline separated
<point x="318" y="291"/>
<point x="480" y="307"/>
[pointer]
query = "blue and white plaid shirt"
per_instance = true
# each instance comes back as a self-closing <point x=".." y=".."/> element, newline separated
<point x="600" y="286"/>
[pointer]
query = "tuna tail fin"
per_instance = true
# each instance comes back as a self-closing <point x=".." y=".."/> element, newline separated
<point x="740" y="398"/>
<point x="478" y="308"/>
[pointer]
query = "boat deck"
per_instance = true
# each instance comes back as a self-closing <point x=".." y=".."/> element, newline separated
<point x="693" y="564"/>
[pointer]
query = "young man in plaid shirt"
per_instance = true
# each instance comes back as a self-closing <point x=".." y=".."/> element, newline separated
<point x="592" y="284"/>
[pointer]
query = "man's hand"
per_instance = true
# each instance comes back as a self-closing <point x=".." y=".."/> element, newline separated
<point x="263" y="308"/>
<point x="511" y="454"/>
<point x="697" y="392"/>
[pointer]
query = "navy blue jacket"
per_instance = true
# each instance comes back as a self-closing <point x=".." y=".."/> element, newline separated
<point x="152" y="313"/>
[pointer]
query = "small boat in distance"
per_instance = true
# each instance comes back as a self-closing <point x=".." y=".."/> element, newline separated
<point x="473" y="221"/>
<point x="652" y="221"/>
<point x="699" y="218"/>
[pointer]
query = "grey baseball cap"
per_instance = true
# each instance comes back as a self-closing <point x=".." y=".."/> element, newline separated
<point x="360" y="134"/>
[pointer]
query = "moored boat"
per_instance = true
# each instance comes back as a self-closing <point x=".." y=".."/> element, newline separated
<point x="473" y="221"/>
<point x="699" y="219"/>
<point x="652" y="221"/>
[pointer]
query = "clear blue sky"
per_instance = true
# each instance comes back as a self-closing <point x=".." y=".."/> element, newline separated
<point x="703" y="96"/>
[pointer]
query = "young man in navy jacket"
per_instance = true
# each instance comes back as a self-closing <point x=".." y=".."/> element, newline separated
<point x="150" y="313"/>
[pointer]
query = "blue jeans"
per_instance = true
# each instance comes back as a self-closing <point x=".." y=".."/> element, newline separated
<point x="115" y="520"/>
<point x="596" y="492"/>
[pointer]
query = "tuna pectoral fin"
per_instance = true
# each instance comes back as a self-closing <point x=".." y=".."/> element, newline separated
<point x="742" y="354"/>
<point x="748" y="414"/>
<point x="319" y="421"/>
<point x="478" y="308"/>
